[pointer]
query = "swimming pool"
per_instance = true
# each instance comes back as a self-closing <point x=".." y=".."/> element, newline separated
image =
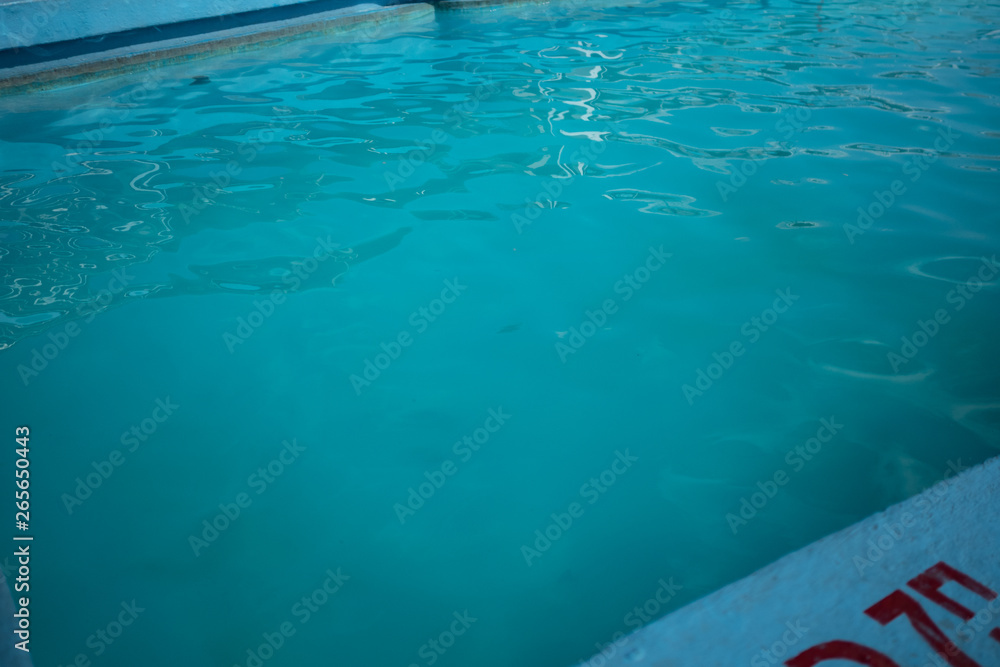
<point x="460" y="346"/>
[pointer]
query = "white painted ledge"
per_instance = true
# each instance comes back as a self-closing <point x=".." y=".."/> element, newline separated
<point x="32" y="22"/>
<point x="363" y="21"/>
<point x="810" y="607"/>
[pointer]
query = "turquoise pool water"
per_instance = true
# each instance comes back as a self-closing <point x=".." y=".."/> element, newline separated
<point x="590" y="271"/>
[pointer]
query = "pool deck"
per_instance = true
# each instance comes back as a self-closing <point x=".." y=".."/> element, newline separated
<point x="868" y="594"/>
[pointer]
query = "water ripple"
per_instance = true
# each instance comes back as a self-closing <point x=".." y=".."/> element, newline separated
<point x="427" y="122"/>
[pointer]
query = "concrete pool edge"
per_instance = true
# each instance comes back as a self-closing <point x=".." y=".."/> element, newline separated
<point x="26" y="23"/>
<point x="366" y="19"/>
<point x="823" y="599"/>
<point x="140" y="46"/>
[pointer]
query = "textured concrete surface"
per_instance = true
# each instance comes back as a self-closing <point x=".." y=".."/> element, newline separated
<point x="914" y="586"/>
<point x="82" y="69"/>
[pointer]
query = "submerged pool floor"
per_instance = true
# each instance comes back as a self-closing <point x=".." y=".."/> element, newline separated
<point x="462" y="346"/>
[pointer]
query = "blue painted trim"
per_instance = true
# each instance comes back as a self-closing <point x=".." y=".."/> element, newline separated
<point x="43" y="53"/>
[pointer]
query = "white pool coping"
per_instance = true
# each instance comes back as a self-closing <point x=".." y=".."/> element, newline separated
<point x="815" y="599"/>
<point x="365" y="19"/>
<point x="25" y="23"/>
<point x="32" y="22"/>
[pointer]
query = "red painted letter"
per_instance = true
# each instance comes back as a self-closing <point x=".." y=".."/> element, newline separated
<point x="899" y="603"/>
<point x="928" y="583"/>
<point x="841" y="650"/>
